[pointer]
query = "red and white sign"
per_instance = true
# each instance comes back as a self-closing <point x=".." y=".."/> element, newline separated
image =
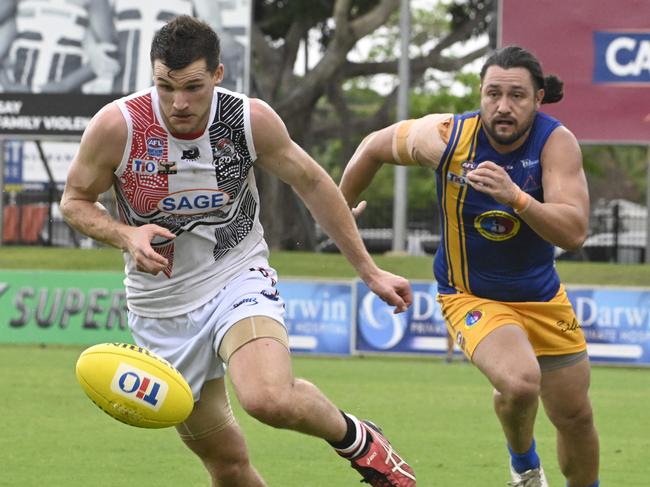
<point x="601" y="50"/>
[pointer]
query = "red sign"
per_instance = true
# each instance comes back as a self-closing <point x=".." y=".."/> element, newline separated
<point x="601" y="50"/>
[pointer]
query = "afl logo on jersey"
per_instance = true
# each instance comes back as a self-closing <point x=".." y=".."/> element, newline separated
<point x="497" y="225"/>
<point x="193" y="201"/>
<point x="155" y="147"/>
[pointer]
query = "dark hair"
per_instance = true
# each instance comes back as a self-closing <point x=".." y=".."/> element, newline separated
<point x="518" y="57"/>
<point x="182" y="41"/>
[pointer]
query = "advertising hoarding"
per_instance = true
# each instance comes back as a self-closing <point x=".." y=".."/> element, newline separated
<point x="85" y="308"/>
<point x="601" y="50"/>
<point x="615" y="321"/>
<point x="63" y="61"/>
<point x="322" y="317"/>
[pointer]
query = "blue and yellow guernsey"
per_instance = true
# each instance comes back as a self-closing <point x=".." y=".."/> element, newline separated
<point x="486" y="250"/>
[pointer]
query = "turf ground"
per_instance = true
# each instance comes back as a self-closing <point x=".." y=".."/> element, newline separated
<point x="439" y="416"/>
<point x="310" y="264"/>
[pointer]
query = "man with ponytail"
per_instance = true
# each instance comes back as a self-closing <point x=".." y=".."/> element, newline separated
<point x="510" y="187"/>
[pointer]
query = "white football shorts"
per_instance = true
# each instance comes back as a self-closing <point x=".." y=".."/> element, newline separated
<point x="190" y="342"/>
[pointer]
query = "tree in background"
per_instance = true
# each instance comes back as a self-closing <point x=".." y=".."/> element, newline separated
<point x="334" y="104"/>
<point x="458" y="94"/>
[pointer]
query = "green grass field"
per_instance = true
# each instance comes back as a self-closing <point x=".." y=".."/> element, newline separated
<point x="312" y="265"/>
<point x="438" y="415"/>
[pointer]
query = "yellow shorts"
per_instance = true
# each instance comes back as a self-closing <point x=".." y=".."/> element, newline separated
<point x="552" y="326"/>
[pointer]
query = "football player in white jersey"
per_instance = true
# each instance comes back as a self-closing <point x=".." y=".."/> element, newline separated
<point x="200" y="290"/>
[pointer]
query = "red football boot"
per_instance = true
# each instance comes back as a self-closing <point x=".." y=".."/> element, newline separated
<point x="380" y="465"/>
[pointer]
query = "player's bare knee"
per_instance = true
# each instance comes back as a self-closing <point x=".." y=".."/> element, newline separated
<point x="271" y="406"/>
<point x="274" y="412"/>
<point x="225" y="464"/>
<point x="520" y="389"/>
<point x="574" y="417"/>
<point x="230" y="471"/>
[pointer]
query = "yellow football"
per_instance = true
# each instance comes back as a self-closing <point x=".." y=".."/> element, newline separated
<point x="134" y="385"/>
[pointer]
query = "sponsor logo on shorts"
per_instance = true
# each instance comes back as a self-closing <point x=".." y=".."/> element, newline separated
<point x="497" y="225"/>
<point x="460" y="340"/>
<point x="139" y="386"/>
<point x="155" y="146"/>
<point x="568" y="326"/>
<point x="265" y="272"/>
<point x="273" y="295"/>
<point x="246" y="301"/>
<point x="473" y="317"/>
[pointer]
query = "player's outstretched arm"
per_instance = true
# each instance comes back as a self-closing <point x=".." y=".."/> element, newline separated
<point x="90" y="175"/>
<point x="370" y="156"/>
<point x="278" y="154"/>
<point x="409" y="142"/>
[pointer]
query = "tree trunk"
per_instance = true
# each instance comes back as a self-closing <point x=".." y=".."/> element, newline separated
<point x="287" y="223"/>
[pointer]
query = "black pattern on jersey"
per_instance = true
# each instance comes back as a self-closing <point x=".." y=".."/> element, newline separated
<point x="127" y="213"/>
<point x="228" y="236"/>
<point x="232" y="161"/>
<point x="130" y="217"/>
<point x="230" y="155"/>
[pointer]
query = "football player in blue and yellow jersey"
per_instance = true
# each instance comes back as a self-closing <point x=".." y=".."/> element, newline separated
<point x="510" y="187"/>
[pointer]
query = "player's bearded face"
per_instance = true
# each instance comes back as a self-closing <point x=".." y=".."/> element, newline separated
<point x="185" y="95"/>
<point x="508" y="106"/>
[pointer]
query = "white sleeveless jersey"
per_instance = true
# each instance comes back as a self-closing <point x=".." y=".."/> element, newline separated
<point x="203" y="190"/>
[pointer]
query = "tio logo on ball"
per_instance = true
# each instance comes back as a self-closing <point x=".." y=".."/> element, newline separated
<point x="139" y="386"/>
